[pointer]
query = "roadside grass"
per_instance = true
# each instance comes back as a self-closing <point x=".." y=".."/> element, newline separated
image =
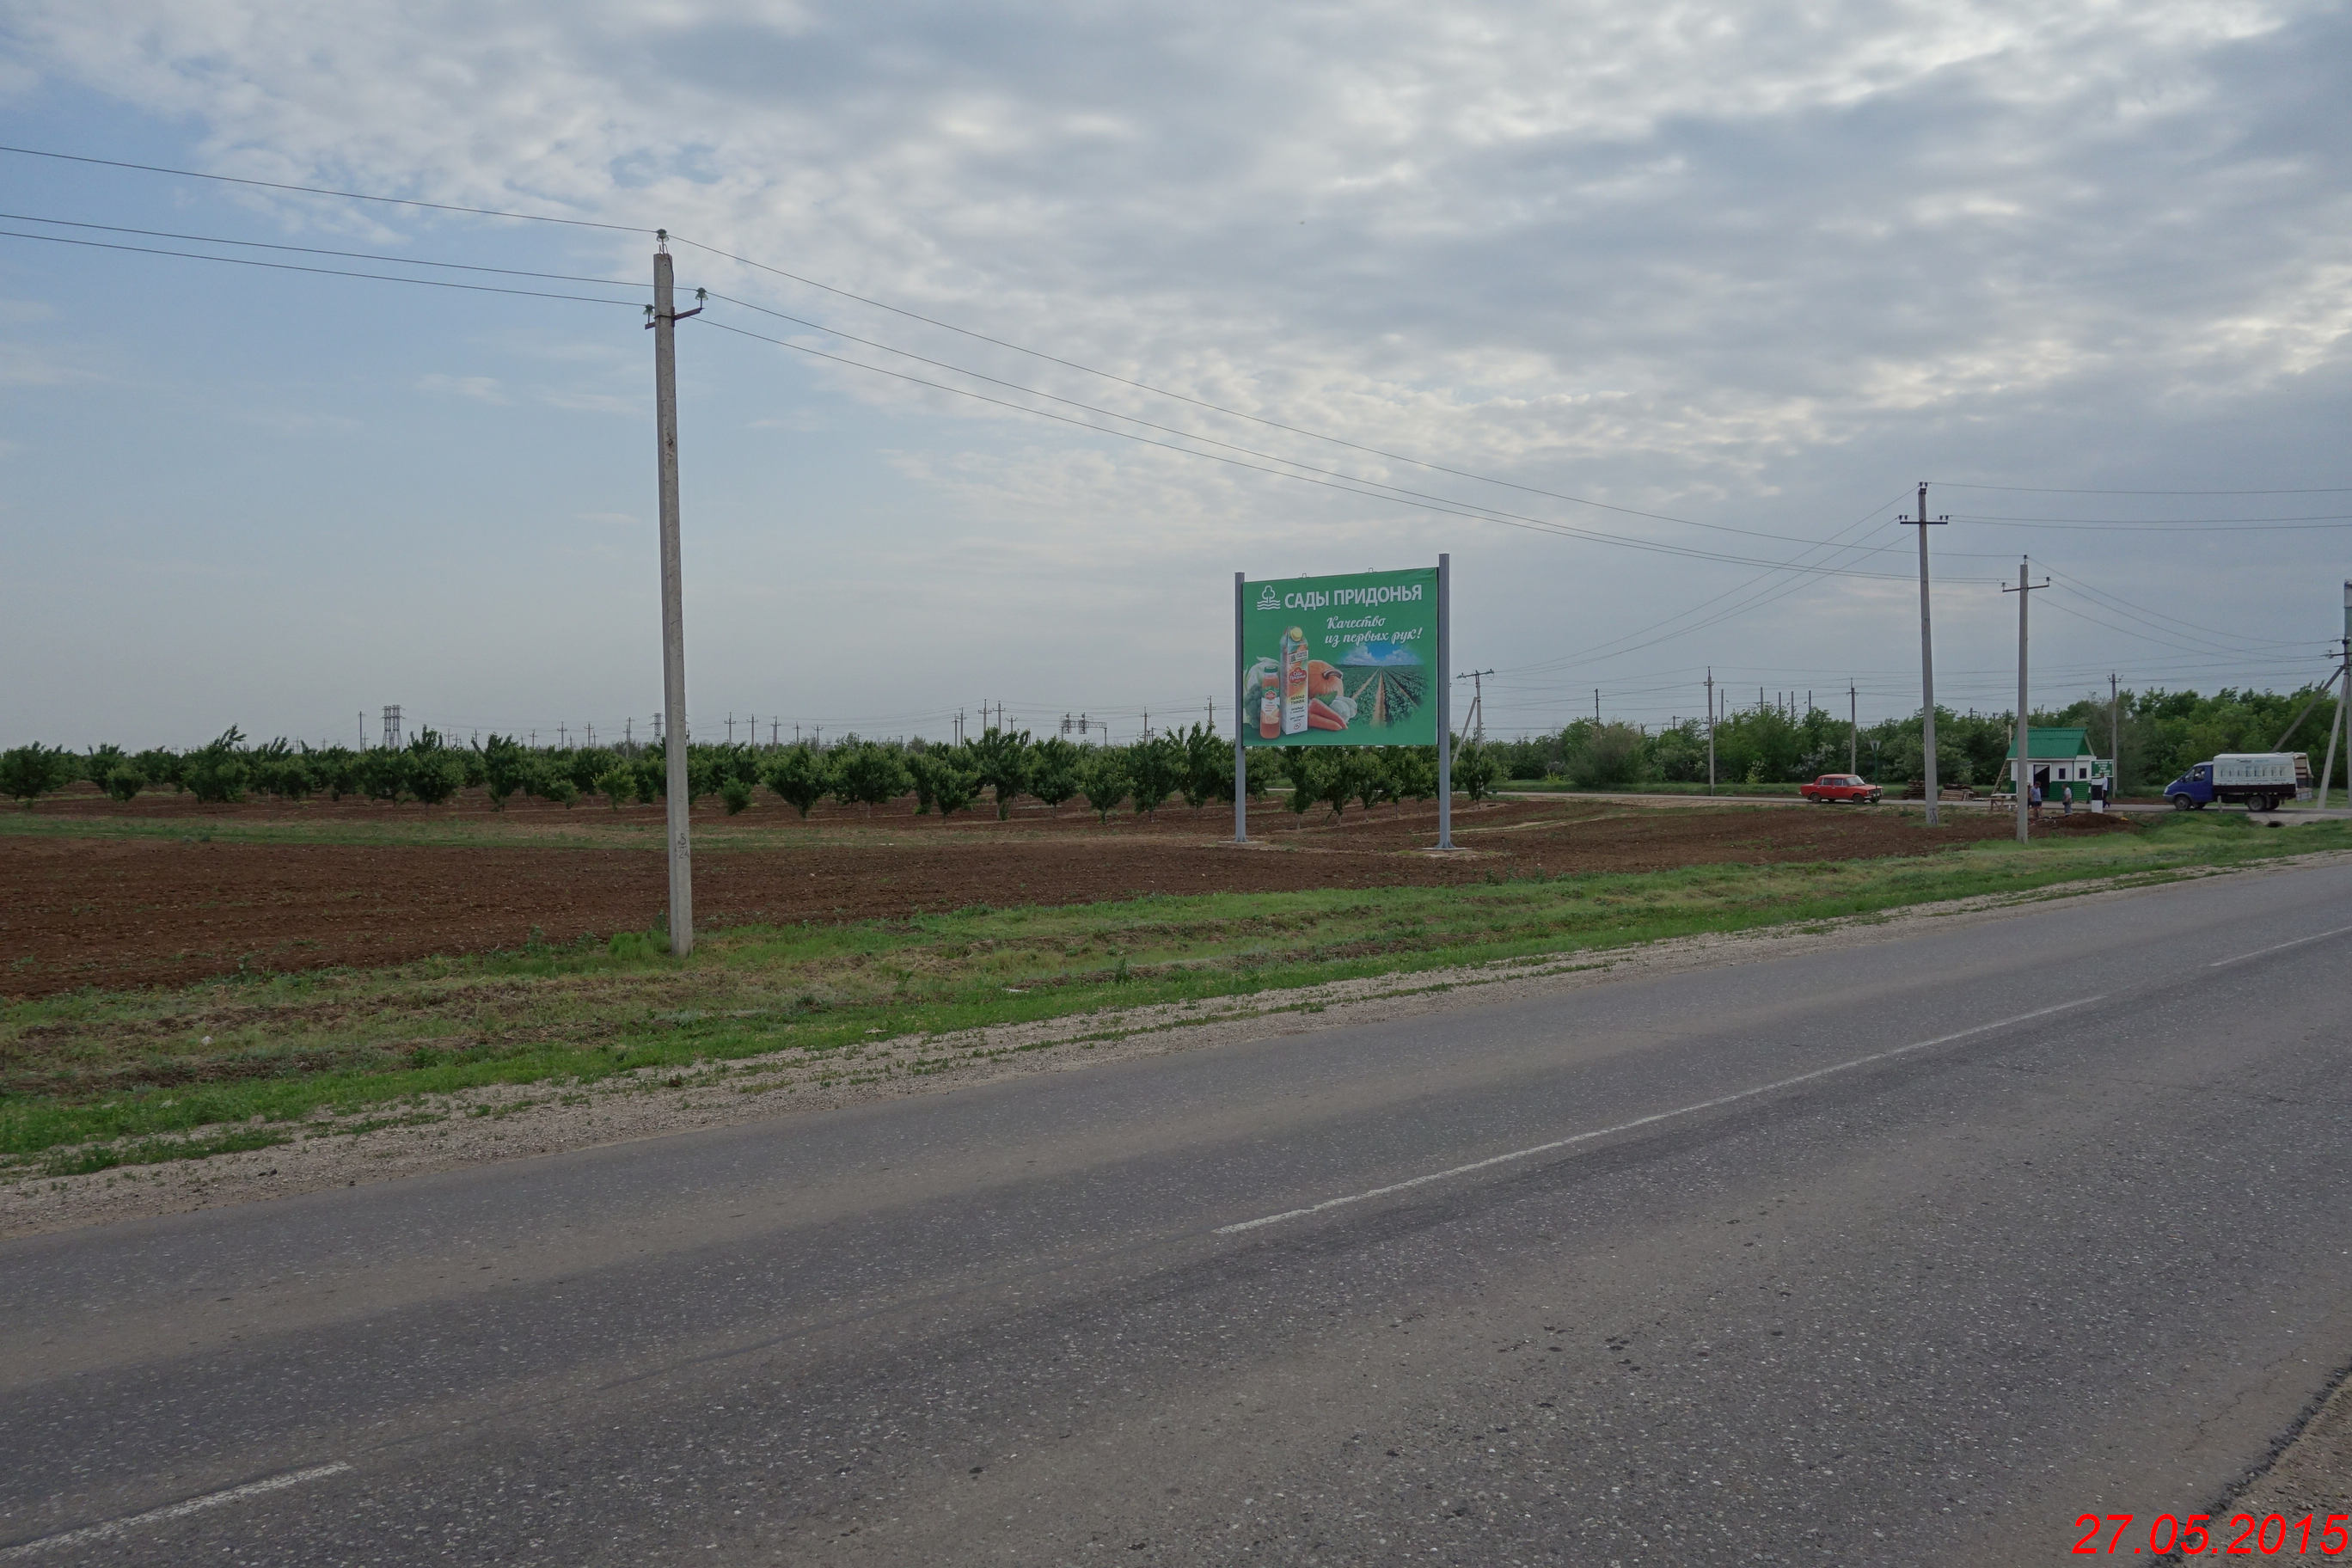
<point x="247" y="1057"/>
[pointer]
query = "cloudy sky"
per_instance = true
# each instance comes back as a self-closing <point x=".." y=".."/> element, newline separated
<point x="1653" y="315"/>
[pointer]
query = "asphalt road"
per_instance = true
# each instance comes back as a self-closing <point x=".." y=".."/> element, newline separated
<point x="1901" y="1253"/>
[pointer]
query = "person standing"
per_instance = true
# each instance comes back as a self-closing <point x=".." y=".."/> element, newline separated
<point x="2067" y="798"/>
<point x="2033" y="799"/>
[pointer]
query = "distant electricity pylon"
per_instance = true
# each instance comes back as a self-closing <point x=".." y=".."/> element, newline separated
<point x="392" y="727"/>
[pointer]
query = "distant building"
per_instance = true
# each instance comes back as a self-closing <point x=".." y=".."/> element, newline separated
<point x="2061" y="757"/>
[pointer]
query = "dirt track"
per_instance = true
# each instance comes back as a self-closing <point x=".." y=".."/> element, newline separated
<point x="80" y="910"/>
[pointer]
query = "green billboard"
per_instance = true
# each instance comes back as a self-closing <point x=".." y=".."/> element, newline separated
<point x="1340" y="661"/>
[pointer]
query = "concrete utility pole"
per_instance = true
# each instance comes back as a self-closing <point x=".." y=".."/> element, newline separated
<point x="1927" y="655"/>
<point x="664" y="325"/>
<point x="2114" y="737"/>
<point x="1477" y="725"/>
<point x="2343" y="712"/>
<point x="2024" y="780"/>
<point x="1710" y="728"/>
<point x="1852" y="730"/>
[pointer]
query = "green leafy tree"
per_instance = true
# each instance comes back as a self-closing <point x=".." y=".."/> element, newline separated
<point x="1412" y="772"/>
<point x="617" y="785"/>
<point x="161" y="765"/>
<point x="216" y="773"/>
<point x="383" y="774"/>
<point x="1208" y="767"/>
<point x="735" y="796"/>
<point x="1102" y="779"/>
<point x="435" y="772"/>
<point x="101" y="762"/>
<point x="798" y="777"/>
<point x="1054" y="771"/>
<point x="28" y="772"/>
<point x="506" y="768"/>
<point x="1474" y="770"/>
<point x="653" y="777"/>
<point x="1154" y="769"/>
<point x="1000" y="759"/>
<point x="1369" y="779"/>
<point x="867" y="775"/>
<point x="953" y="787"/>
<point x="1308" y="772"/>
<point x="124" y="784"/>
<point x="560" y="789"/>
<point x="1609" y="756"/>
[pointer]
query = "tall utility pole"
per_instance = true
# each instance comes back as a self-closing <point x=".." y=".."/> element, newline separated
<point x="1477" y="725"/>
<point x="664" y="325"/>
<point x="1852" y="730"/>
<point x="1928" y="657"/>
<point x="1710" y="728"/>
<point x="2114" y="737"/>
<point x="2024" y="780"/>
<point x="2343" y="714"/>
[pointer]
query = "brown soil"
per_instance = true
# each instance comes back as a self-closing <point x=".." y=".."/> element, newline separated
<point x="92" y="910"/>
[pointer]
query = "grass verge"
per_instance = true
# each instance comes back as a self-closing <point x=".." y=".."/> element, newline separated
<point x="256" y="1055"/>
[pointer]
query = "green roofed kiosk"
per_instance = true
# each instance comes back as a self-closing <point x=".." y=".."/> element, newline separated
<point x="2063" y="757"/>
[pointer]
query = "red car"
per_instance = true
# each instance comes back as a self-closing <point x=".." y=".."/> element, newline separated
<point x="1840" y="786"/>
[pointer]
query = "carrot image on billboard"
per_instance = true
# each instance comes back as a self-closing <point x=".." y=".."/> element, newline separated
<point x="1341" y="660"/>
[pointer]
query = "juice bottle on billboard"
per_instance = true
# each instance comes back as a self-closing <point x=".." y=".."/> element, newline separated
<point x="1293" y="681"/>
<point x="1265" y="699"/>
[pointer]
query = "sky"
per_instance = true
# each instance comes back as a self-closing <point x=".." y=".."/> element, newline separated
<point x="1652" y="317"/>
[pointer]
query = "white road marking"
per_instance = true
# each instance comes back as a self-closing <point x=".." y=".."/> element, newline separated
<point x="2278" y="947"/>
<point x="114" y="1527"/>
<point x="1655" y="1117"/>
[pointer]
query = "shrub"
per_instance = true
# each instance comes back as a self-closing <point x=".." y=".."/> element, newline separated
<point x="123" y="783"/>
<point x="617" y="785"/>
<point x="561" y="789"/>
<point x="735" y="795"/>
<point x="653" y="777"/>
<point x="101" y="762"/>
<point x="161" y="765"/>
<point x="381" y="774"/>
<point x="797" y="775"/>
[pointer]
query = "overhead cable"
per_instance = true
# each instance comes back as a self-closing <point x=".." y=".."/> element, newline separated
<point x="324" y="191"/>
<point x="319" y="271"/>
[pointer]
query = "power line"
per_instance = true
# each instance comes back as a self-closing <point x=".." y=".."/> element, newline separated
<point x="319" y="271"/>
<point x="317" y="250"/>
<point x="1212" y="440"/>
<point x="324" y="191"/>
<point x="2166" y="525"/>
<point x="1351" y="486"/>
<point x="2058" y="490"/>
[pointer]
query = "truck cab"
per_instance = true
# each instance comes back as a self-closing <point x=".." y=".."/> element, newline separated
<point x="2192" y="790"/>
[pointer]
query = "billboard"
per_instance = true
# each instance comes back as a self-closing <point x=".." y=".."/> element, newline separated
<point x="1350" y="660"/>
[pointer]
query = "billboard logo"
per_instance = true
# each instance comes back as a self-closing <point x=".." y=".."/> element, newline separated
<point x="1267" y="599"/>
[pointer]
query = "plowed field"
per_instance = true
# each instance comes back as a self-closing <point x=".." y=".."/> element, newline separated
<point x="93" y="909"/>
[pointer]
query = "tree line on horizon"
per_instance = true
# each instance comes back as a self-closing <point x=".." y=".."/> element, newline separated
<point x="2163" y="734"/>
<point x="1195" y="765"/>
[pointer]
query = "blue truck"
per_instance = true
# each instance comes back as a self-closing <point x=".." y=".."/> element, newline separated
<point x="2259" y="781"/>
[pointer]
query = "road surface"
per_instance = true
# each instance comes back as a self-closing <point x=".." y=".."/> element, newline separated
<point x="1899" y="1252"/>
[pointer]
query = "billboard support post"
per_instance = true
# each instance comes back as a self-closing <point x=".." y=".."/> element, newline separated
<point x="1241" y="756"/>
<point x="1444" y="707"/>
